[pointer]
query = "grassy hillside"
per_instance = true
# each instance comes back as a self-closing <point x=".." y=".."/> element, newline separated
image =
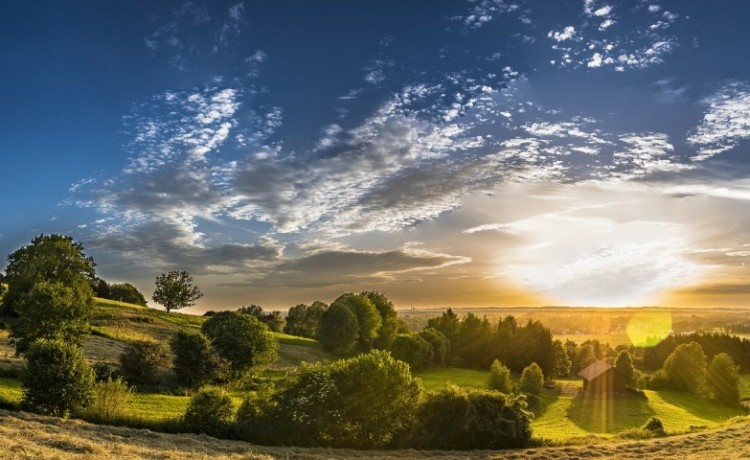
<point x="26" y="436"/>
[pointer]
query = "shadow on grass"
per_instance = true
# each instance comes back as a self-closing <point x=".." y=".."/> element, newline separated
<point x="701" y="408"/>
<point x="609" y="413"/>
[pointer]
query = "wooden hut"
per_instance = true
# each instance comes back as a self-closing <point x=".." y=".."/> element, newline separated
<point x="601" y="377"/>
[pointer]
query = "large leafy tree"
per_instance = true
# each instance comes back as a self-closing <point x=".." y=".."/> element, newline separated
<point x="303" y="320"/>
<point x="49" y="295"/>
<point x="175" y="290"/>
<point x="338" y="329"/>
<point x="388" y="320"/>
<point x="724" y="380"/>
<point x="368" y="318"/>
<point x="242" y="340"/>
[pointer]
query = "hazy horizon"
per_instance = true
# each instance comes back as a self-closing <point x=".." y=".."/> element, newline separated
<point x="446" y="153"/>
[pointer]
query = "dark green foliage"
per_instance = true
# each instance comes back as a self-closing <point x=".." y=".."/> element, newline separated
<point x="413" y="350"/>
<point x="368" y="318"/>
<point x="389" y="323"/>
<point x="210" y="411"/>
<point x="338" y="329"/>
<point x="364" y="402"/>
<point x="302" y="320"/>
<point x="52" y="310"/>
<point x="562" y="363"/>
<point x="654" y="425"/>
<point x="500" y="378"/>
<point x="624" y="365"/>
<point x="126" y="292"/>
<point x="50" y="258"/>
<point x="460" y="418"/>
<point x="175" y="290"/>
<point x="195" y="362"/>
<point x="532" y="379"/>
<point x="274" y="320"/>
<point x="439" y="345"/>
<point x="584" y="355"/>
<point x="242" y="340"/>
<point x="57" y="380"/>
<point x="737" y="348"/>
<point x="686" y="368"/>
<point x="101" y="288"/>
<point x="723" y="380"/>
<point x="141" y="362"/>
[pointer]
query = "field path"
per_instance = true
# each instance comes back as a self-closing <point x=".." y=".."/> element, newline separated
<point x="27" y="436"/>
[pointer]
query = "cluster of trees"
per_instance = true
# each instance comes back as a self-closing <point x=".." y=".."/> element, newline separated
<point x="688" y="369"/>
<point x="712" y="344"/>
<point x="274" y="320"/>
<point x="369" y="401"/>
<point x="122" y="292"/>
<point x="302" y="320"/>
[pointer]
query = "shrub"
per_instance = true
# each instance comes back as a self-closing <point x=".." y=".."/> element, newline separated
<point x="500" y="378"/>
<point x="126" y="292"/>
<point x="57" y="379"/>
<point x="654" y="425"/>
<point x="195" y="362"/>
<point x="210" y="411"/>
<point x="141" y="361"/>
<point x="242" y="340"/>
<point x="532" y="379"/>
<point x="413" y="350"/>
<point x="461" y="418"/>
<point x="252" y="420"/>
<point x="364" y="402"/>
<point x="110" y="401"/>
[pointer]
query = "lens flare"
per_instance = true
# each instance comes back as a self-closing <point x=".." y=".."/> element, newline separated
<point x="648" y="328"/>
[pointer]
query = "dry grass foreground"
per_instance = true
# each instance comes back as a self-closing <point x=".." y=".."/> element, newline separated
<point x="27" y="436"/>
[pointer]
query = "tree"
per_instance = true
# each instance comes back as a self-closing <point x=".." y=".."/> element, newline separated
<point x="686" y="368"/>
<point x="439" y="344"/>
<point x="195" y="362"/>
<point x="48" y="291"/>
<point x="140" y="363"/>
<point x="57" y="380"/>
<point x="624" y="365"/>
<point x="51" y="258"/>
<point x="274" y="320"/>
<point x="175" y="290"/>
<point x="562" y="362"/>
<point x="126" y="292"/>
<point x="532" y="379"/>
<point x="338" y="329"/>
<point x="724" y="380"/>
<point x="242" y="340"/>
<point x="413" y="350"/>
<point x="389" y="320"/>
<point x="500" y="378"/>
<point x="303" y="320"/>
<point x="52" y="310"/>
<point x="368" y="318"/>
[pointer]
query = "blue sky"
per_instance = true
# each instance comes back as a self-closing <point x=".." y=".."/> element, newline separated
<point x="466" y="153"/>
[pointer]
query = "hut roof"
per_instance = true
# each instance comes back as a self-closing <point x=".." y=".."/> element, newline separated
<point x="594" y="370"/>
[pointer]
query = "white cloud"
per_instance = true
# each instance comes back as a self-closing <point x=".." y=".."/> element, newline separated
<point x="725" y="123"/>
<point x="567" y="33"/>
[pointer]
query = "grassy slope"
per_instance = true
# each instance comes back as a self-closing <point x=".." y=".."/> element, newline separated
<point x="26" y="436"/>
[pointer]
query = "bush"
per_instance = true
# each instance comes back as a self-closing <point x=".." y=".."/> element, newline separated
<point x="195" y="362"/>
<point x="461" y="418"/>
<point x="363" y="402"/>
<point x="110" y="401"/>
<point x="126" y="292"/>
<point x="413" y="350"/>
<point x="242" y="340"/>
<point x="141" y="361"/>
<point x="532" y="379"/>
<point x="654" y="425"/>
<point x="57" y="379"/>
<point x="500" y="378"/>
<point x="210" y="411"/>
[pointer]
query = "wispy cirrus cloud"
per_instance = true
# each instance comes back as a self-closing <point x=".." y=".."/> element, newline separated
<point x="725" y="123"/>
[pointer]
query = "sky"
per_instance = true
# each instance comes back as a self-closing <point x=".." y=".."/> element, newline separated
<point x="446" y="153"/>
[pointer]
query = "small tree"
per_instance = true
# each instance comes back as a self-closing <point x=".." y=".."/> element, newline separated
<point x="57" y="380"/>
<point x="500" y="378"/>
<point x="175" y="290"/>
<point x="141" y="361"/>
<point x="439" y="344"/>
<point x="562" y="363"/>
<point x="195" y="362"/>
<point x="242" y="340"/>
<point x="686" y="368"/>
<point x="210" y="411"/>
<point x="532" y="379"/>
<point x="302" y="320"/>
<point x="724" y="380"/>
<point x="338" y="329"/>
<point x="413" y="350"/>
<point x="624" y="365"/>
